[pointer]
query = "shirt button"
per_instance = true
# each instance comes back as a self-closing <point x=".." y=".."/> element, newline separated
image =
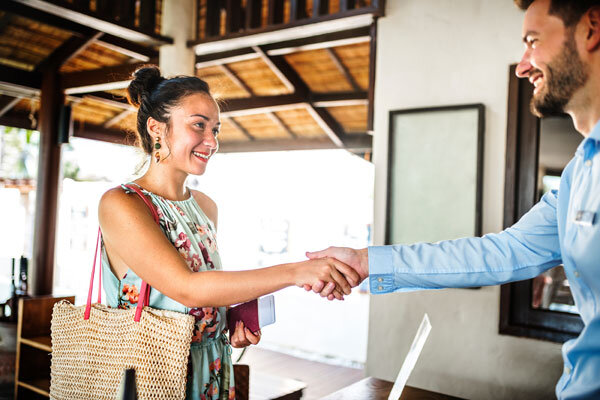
<point x="380" y="288"/>
<point x="576" y="273"/>
<point x="588" y="163"/>
<point x="379" y="279"/>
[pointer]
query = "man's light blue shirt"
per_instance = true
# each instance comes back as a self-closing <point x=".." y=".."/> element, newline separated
<point x="564" y="227"/>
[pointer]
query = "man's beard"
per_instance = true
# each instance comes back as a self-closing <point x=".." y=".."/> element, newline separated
<point x="566" y="74"/>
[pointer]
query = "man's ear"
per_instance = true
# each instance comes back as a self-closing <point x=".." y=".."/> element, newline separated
<point x="154" y="127"/>
<point x="592" y="26"/>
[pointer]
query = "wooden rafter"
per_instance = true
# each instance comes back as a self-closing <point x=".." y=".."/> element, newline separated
<point x="239" y="127"/>
<point x="372" y="60"/>
<point x="128" y="48"/>
<point x="276" y="28"/>
<point x="279" y="122"/>
<point x="355" y="143"/>
<point x="18" y="77"/>
<point x="95" y="132"/>
<point x="331" y="127"/>
<point x="116" y="43"/>
<point x="69" y="49"/>
<point x="117" y="118"/>
<point x="46" y="9"/>
<point x="236" y="80"/>
<point x="341" y="38"/>
<point x="342" y="68"/>
<point x="5" y="20"/>
<point x="277" y="70"/>
<point x="116" y="77"/>
<point x="8" y="105"/>
<point x="108" y="99"/>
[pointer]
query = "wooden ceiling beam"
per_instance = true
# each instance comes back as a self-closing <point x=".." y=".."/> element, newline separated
<point x="279" y="122"/>
<point x="116" y="77"/>
<point x="95" y="132"/>
<point x="263" y="104"/>
<point x="128" y="48"/>
<point x="117" y="118"/>
<point x="69" y="49"/>
<point x="355" y="143"/>
<point x="16" y="120"/>
<point x="106" y="98"/>
<point x="327" y="40"/>
<point x="329" y="125"/>
<point x="343" y="69"/>
<point x="281" y="71"/>
<point x="5" y="21"/>
<point x="341" y="38"/>
<point x="8" y="104"/>
<point x="69" y="19"/>
<point x="19" y="77"/>
<point x="260" y="103"/>
<point x="225" y="57"/>
<point x="23" y="10"/>
<point x="235" y="79"/>
<point x="337" y="97"/>
<point x="113" y="42"/>
<point x="240" y="128"/>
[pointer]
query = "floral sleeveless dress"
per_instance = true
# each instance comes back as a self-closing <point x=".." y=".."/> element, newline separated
<point x="210" y="370"/>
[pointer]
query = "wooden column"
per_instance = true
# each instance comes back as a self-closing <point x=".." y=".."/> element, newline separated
<point x="44" y="239"/>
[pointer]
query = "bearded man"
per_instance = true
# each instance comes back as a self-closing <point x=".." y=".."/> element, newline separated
<point x="562" y="61"/>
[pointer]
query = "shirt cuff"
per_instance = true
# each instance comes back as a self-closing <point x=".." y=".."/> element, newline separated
<point x="381" y="269"/>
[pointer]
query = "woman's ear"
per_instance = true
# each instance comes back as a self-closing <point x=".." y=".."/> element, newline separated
<point x="154" y="127"/>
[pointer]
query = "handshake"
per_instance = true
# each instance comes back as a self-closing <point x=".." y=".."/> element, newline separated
<point x="333" y="272"/>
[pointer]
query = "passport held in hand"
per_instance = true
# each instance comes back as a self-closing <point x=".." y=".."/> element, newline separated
<point x="255" y="314"/>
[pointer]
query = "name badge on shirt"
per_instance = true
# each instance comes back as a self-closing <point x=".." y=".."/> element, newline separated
<point x="585" y="218"/>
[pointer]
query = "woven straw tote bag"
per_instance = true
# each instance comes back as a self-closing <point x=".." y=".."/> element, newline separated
<point x="92" y="345"/>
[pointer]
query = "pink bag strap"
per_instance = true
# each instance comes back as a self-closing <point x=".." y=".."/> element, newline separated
<point x="144" y="298"/>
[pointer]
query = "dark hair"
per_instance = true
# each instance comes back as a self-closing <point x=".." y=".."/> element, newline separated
<point x="570" y="11"/>
<point x="155" y="96"/>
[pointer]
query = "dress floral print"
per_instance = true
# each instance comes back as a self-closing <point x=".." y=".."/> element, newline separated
<point x="193" y="236"/>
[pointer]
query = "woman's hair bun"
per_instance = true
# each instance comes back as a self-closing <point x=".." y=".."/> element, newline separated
<point x="145" y="80"/>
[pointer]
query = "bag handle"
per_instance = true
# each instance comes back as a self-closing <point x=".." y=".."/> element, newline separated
<point x="144" y="298"/>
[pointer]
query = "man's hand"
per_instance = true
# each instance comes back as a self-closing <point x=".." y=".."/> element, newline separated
<point x="357" y="259"/>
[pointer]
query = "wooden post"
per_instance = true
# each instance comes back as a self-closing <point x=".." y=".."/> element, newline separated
<point x="371" y="88"/>
<point x="253" y="14"/>
<point x="44" y="240"/>
<point x="320" y="7"/>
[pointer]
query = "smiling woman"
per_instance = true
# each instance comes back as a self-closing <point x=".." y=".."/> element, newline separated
<point x="178" y="123"/>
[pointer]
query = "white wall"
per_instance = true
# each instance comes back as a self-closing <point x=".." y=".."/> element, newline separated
<point x="433" y="53"/>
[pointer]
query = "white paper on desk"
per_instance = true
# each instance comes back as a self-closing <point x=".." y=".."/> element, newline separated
<point x="411" y="358"/>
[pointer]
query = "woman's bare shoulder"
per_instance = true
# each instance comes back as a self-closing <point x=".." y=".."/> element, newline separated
<point x="118" y="202"/>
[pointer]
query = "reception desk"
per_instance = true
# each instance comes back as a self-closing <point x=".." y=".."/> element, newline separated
<point x="377" y="389"/>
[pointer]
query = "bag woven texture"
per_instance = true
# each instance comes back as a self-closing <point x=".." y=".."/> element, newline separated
<point x="89" y="356"/>
<point x="93" y="345"/>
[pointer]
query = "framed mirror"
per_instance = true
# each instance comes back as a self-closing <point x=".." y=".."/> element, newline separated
<point x="536" y="152"/>
<point x="434" y="173"/>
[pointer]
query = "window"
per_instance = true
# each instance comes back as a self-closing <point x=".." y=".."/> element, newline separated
<point x="18" y="171"/>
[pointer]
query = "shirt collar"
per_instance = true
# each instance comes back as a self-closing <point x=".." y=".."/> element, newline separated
<point x="590" y="145"/>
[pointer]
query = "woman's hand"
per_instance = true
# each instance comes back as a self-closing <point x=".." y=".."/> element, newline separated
<point x="242" y="337"/>
<point x="327" y="271"/>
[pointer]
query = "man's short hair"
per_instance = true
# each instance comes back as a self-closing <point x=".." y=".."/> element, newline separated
<point x="570" y="11"/>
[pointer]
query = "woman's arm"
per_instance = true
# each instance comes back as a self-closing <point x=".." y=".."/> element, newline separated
<point x="130" y="233"/>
